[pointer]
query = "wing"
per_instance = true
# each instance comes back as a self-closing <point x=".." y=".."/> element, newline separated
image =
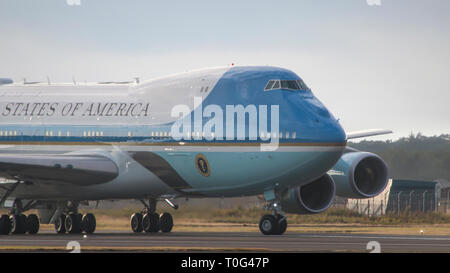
<point x="82" y="170"/>
<point x="367" y="133"/>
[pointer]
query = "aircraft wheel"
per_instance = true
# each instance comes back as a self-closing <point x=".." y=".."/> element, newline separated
<point x="60" y="224"/>
<point x="150" y="222"/>
<point x="88" y="223"/>
<point x="268" y="224"/>
<point x="136" y="222"/>
<point x="165" y="222"/>
<point x="32" y="224"/>
<point x="18" y="224"/>
<point x="73" y="223"/>
<point x="5" y="225"/>
<point x="282" y="225"/>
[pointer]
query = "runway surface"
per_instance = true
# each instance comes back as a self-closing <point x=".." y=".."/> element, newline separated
<point x="224" y="241"/>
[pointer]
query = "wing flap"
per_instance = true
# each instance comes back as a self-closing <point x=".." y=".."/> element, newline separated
<point x="82" y="170"/>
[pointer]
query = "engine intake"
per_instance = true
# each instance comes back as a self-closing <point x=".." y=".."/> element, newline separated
<point x="314" y="197"/>
<point x="360" y="175"/>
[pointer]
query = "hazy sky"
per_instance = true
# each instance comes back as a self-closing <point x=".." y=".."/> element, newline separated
<point x="382" y="66"/>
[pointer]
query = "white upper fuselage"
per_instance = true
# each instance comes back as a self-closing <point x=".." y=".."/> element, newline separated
<point x="131" y="125"/>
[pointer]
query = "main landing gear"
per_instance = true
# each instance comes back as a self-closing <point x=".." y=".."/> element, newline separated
<point x="17" y="222"/>
<point x="275" y="223"/>
<point x="149" y="221"/>
<point x="75" y="223"/>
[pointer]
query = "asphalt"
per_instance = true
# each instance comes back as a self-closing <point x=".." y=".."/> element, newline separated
<point x="224" y="241"/>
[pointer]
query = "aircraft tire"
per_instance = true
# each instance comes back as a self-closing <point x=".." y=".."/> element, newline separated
<point x="18" y="224"/>
<point x="73" y="223"/>
<point x="88" y="223"/>
<point x="136" y="222"/>
<point x="32" y="224"/>
<point x="5" y="225"/>
<point x="60" y="224"/>
<point x="282" y="225"/>
<point x="150" y="222"/>
<point x="268" y="225"/>
<point x="165" y="222"/>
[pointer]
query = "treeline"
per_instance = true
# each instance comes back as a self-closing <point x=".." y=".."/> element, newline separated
<point x="415" y="157"/>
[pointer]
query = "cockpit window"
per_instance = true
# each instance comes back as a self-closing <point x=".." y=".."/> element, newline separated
<point x="293" y="85"/>
<point x="276" y="85"/>
<point x="286" y="84"/>
<point x="269" y="85"/>
<point x="302" y="84"/>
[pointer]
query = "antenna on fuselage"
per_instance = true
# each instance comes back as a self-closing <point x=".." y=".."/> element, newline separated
<point x="74" y="81"/>
<point x="136" y="80"/>
<point x="48" y="80"/>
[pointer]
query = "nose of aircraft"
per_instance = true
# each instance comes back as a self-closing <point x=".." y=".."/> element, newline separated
<point x="315" y="123"/>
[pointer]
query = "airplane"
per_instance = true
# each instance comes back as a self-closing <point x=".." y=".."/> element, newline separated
<point x="214" y="132"/>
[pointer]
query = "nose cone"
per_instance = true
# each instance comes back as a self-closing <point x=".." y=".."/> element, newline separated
<point x="330" y="132"/>
<point x="314" y="122"/>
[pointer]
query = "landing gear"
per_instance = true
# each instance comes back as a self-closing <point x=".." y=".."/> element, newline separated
<point x="18" y="224"/>
<point x="32" y="223"/>
<point x="73" y="223"/>
<point x="5" y="225"/>
<point x="136" y="222"/>
<point x="60" y="226"/>
<point x="88" y="223"/>
<point x="149" y="221"/>
<point x="165" y="222"/>
<point x="275" y="223"/>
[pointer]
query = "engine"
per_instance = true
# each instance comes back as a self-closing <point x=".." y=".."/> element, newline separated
<point x="359" y="175"/>
<point x="314" y="197"/>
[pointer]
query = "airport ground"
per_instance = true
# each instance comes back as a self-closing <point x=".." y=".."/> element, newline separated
<point x="236" y="229"/>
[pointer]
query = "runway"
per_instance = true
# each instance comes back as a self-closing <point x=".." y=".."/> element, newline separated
<point x="224" y="242"/>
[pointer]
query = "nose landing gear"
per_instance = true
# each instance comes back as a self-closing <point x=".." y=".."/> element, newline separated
<point x="275" y="223"/>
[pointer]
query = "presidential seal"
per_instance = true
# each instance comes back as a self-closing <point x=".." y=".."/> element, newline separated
<point x="202" y="165"/>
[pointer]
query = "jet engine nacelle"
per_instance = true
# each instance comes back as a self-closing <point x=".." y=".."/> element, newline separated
<point x="359" y="175"/>
<point x="311" y="198"/>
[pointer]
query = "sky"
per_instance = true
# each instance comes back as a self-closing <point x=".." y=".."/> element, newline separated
<point x="373" y="66"/>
